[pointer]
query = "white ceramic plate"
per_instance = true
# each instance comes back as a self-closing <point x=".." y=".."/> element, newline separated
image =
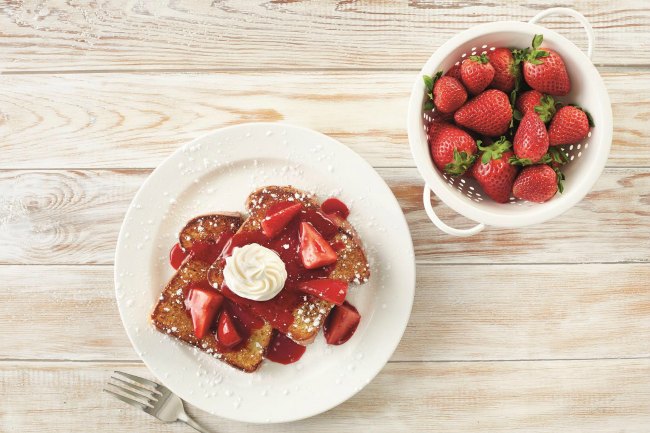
<point x="216" y="173"/>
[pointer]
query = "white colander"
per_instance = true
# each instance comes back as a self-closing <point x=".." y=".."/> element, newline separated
<point x="587" y="159"/>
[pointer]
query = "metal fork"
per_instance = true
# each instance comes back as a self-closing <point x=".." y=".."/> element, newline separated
<point x="155" y="399"/>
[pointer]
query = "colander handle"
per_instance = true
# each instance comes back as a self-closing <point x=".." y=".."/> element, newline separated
<point x="426" y="197"/>
<point x="575" y="14"/>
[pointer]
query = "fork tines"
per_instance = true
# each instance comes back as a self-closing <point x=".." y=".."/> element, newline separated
<point x="138" y="391"/>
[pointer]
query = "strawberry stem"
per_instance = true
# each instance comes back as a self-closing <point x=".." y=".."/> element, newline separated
<point x="546" y="109"/>
<point x="560" y="179"/>
<point x="495" y="150"/>
<point x="533" y="55"/>
<point x="462" y="161"/>
<point x="519" y="161"/>
<point x="483" y="58"/>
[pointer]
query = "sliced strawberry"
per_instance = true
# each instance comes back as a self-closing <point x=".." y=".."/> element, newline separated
<point x="341" y="324"/>
<point x="315" y="251"/>
<point x="227" y="333"/>
<point x="176" y="256"/>
<point x="335" y="206"/>
<point x="333" y="291"/>
<point x="273" y="223"/>
<point x="284" y="350"/>
<point x="203" y="304"/>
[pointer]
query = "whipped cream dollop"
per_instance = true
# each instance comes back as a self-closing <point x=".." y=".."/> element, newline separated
<point x="255" y="272"/>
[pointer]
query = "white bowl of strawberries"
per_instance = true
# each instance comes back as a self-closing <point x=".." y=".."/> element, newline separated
<point x="509" y="132"/>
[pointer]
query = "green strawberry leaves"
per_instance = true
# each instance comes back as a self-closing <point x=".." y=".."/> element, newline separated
<point x="560" y="179"/>
<point x="483" y="58"/>
<point x="520" y="161"/>
<point x="429" y="83"/>
<point x="533" y="55"/>
<point x="462" y="161"/>
<point x="546" y="109"/>
<point x="554" y="155"/>
<point x="495" y="150"/>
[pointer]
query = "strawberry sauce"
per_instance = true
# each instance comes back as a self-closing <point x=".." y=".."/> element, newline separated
<point x="284" y="350"/>
<point x="335" y="206"/>
<point x="176" y="256"/>
<point x="279" y="310"/>
<point x="244" y="320"/>
<point x="207" y="252"/>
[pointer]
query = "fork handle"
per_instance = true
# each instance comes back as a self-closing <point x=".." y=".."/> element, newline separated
<point x="189" y="421"/>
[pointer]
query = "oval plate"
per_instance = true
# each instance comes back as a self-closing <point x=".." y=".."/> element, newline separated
<point x="215" y="173"/>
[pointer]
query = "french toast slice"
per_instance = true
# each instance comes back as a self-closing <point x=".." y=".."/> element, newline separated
<point x="352" y="265"/>
<point x="170" y="316"/>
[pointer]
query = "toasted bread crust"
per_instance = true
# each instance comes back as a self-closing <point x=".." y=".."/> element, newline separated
<point x="169" y="315"/>
<point x="207" y="228"/>
<point x="351" y="266"/>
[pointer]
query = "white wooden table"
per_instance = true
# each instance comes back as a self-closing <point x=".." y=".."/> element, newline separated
<point x="544" y="329"/>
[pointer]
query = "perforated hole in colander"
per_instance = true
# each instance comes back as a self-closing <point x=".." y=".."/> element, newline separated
<point x="467" y="186"/>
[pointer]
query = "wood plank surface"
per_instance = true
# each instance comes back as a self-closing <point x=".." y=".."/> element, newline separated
<point x="121" y="34"/>
<point x="603" y="396"/>
<point x="74" y="216"/>
<point x="528" y="330"/>
<point x="578" y="312"/>
<point x="137" y="120"/>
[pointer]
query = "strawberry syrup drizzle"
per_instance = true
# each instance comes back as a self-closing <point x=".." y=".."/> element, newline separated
<point x="250" y="315"/>
<point x="279" y="310"/>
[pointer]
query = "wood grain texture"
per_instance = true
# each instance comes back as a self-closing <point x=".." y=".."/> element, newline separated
<point x="571" y="312"/>
<point x="121" y="34"/>
<point x="136" y="120"/>
<point x="73" y="217"/>
<point x="604" y="396"/>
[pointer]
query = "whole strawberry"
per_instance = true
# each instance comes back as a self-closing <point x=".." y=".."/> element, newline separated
<point x="448" y="94"/>
<point x="570" y="125"/>
<point x="488" y="114"/>
<point x="493" y="171"/>
<point x="506" y="70"/>
<point x="532" y="100"/>
<point x="531" y="139"/>
<point x="477" y="73"/>
<point x="536" y="183"/>
<point x="544" y="70"/>
<point x="452" y="149"/>
<point x="454" y="71"/>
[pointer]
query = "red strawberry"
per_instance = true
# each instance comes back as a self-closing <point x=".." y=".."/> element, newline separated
<point x="333" y="291"/>
<point x="531" y="139"/>
<point x="203" y="304"/>
<point x="489" y="113"/>
<point x="544" y="70"/>
<point x="537" y="183"/>
<point x="448" y="94"/>
<point x="532" y="100"/>
<point x="276" y="221"/>
<point x="477" y="73"/>
<point x="570" y="125"/>
<point x="452" y="149"/>
<point x="227" y="333"/>
<point x="506" y="70"/>
<point x="454" y="71"/>
<point x="177" y="255"/>
<point x="315" y="251"/>
<point x="493" y="172"/>
<point x="341" y="323"/>
<point x="284" y="350"/>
